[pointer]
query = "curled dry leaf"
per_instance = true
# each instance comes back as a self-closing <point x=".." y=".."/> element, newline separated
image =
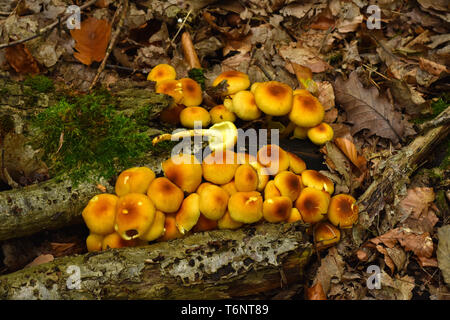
<point x="20" y="58"/>
<point x="367" y="109"/>
<point x="91" y="40"/>
<point x="44" y="258"/>
<point x="349" y="149"/>
<point x="316" y="292"/>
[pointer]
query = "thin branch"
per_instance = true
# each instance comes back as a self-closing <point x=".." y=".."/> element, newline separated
<point x="123" y="9"/>
<point x="45" y="29"/>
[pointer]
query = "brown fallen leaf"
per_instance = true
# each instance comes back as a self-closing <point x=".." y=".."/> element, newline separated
<point x="304" y="56"/>
<point x="349" y="149"/>
<point x="415" y="211"/>
<point x="332" y="266"/>
<point x="43" y="258"/>
<point x="316" y="292"/>
<point x="91" y="40"/>
<point x="432" y="67"/>
<point x="20" y="58"/>
<point x="367" y="109"/>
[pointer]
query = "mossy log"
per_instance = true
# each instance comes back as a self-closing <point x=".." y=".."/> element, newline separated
<point x="58" y="202"/>
<point x="391" y="178"/>
<point x="253" y="261"/>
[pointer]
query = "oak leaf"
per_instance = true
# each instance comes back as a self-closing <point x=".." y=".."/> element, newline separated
<point x="367" y="109"/>
<point x="91" y="40"/>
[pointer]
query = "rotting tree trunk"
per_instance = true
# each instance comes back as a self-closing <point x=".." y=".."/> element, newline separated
<point x="218" y="264"/>
<point x="392" y="176"/>
<point x="57" y="202"/>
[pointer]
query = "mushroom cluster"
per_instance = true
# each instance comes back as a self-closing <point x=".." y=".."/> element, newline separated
<point x="225" y="191"/>
<point x="242" y="100"/>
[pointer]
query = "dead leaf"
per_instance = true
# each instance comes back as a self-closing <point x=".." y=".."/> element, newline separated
<point x="349" y="149"/>
<point x="304" y="56"/>
<point x="414" y="208"/>
<point x="326" y="94"/>
<point x="443" y="252"/>
<point x="315" y="292"/>
<point x="367" y="109"/>
<point x="432" y="67"/>
<point x="43" y="258"/>
<point x="332" y="266"/>
<point x="20" y="58"/>
<point x="396" y="288"/>
<point x="91" y="40"/>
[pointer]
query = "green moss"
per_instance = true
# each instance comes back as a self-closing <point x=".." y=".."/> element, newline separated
<point x="85" y="134"/>
<point x="445" y="164"/>
<point x="197" y="75"/>
<point x="437" y="107"/>
<point x="40" y="83"/>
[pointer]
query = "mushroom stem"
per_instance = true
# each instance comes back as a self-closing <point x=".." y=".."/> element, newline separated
<point x="184" y="134"/>
<point x="288" y="130"/>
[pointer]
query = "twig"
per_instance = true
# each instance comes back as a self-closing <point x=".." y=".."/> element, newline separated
<point x="181" y="27"/>
<point x="123" y="9"/>
<point x="45" y="29"/>
<point x="6" y="14"/>
<point x="442" y="119"/>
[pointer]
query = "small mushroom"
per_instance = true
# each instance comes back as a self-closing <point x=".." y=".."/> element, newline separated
<point x="227" y="223"/>
<point x="170" y="228"/>
<point x="343" y="211"/>
<point x="94" y="242"/>
<point x="134" y="180"/>
<point x="134" y="215"/>
<point x="115" y="241"/>
<point x="236" y="80"/>
<point x="326" y="235"/>
<point x="294" y="216"/>
<point x="156" y="230"/>
<point x="162" y="72"/>
<point x="244" y="106"/>
<point x="188" y="214"/>
<point x="205" y="224"/>
<point x="191" y="116"/>
<point x="300" y="132"/>
<point x="221" y="136"/>
<point x="172" y="88"/>
<point x="246" y="207"/>
<point x="273" y="98"/>
<point x="313" y="178"/>
<point x="166" y="196"/>
<point x="192" y="92"/>
<point x="220" y="167"/>
<point x="246" y="178"/>
<point x="220" y="114"/>
<point x="277" y="209"/>
<point x="288" y="184"/>
<point x="100" y="212"/>
<point x="263" y="175"/>
<point x="296" y="164"/>
<point x="320" y="134"/>
<point x="229" y="187"/>
<point x="184" y="170"/>
<point x="213" y="202"/>
<point x="312" y="204"/>
<point x="271" y="190"/>
<point x="273" y="158"/>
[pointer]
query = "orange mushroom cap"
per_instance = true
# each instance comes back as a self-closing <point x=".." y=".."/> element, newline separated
<point x="219" y="114"/>
<point x="156" y="230"/>
<point x="246" y="178"/>
<point x="184" y="170"/>
<point x="312" y="204"/>
<point x="244" y="106"/>
<point x="326" y="235"/>
<point x="94" y="242"/>
<point x="220" y="167"/>
<point x="294" y="216"/>
<point x="306" y="111"/>
<point x="205" y="224"/>
<point x="236" y="81"/>
<point x="213" y="202"/>
<point x="166" y="196"/>
<point x="170" y="228"/>
<point x="115" y="241"/>
<point x="273" y="158"/>
<point x="313" y="178"/>
<point x="134" y="180"/>
<point x="274" y="98"/>
<point x="288" y="184"/>
<point x="134" y="215"/>
<point x="263" y="174"/>
<point x="271" y="190"/>
<point x="277" y="209"/>
<point x="162" y="72"/>
<point x="187" y="217"/>
<point x="230" y="187"/>
<point x="100" y="212"/>
<point x="192" y="92"/>
<point x="172" y="88"/>
<point x="227" y="223"/>
<point x="190" y="115"/>
<point x="296" y="164"/>
<point x="300" y="132"/>
<point x="320" y="134"/>
<point x="246" y="207"/>
<point x="343" y="211"/>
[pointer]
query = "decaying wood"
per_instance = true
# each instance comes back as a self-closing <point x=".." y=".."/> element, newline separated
<point x="392" y="176"/>
<point x="218" y="264"/>
<point x="57" y="202"/>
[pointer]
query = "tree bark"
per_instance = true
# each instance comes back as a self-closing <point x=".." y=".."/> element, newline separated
<point x="58" y="202"/>
<point x="220" y="264"/>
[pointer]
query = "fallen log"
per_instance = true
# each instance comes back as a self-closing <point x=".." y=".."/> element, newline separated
<point x="58" y="202"/>
<point x="391" y="178"/>
<point x="219" y="264"/>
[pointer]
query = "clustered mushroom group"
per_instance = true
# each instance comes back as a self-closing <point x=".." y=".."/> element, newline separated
<point x="245" y="101"/>
<point x="225" y="191"/>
